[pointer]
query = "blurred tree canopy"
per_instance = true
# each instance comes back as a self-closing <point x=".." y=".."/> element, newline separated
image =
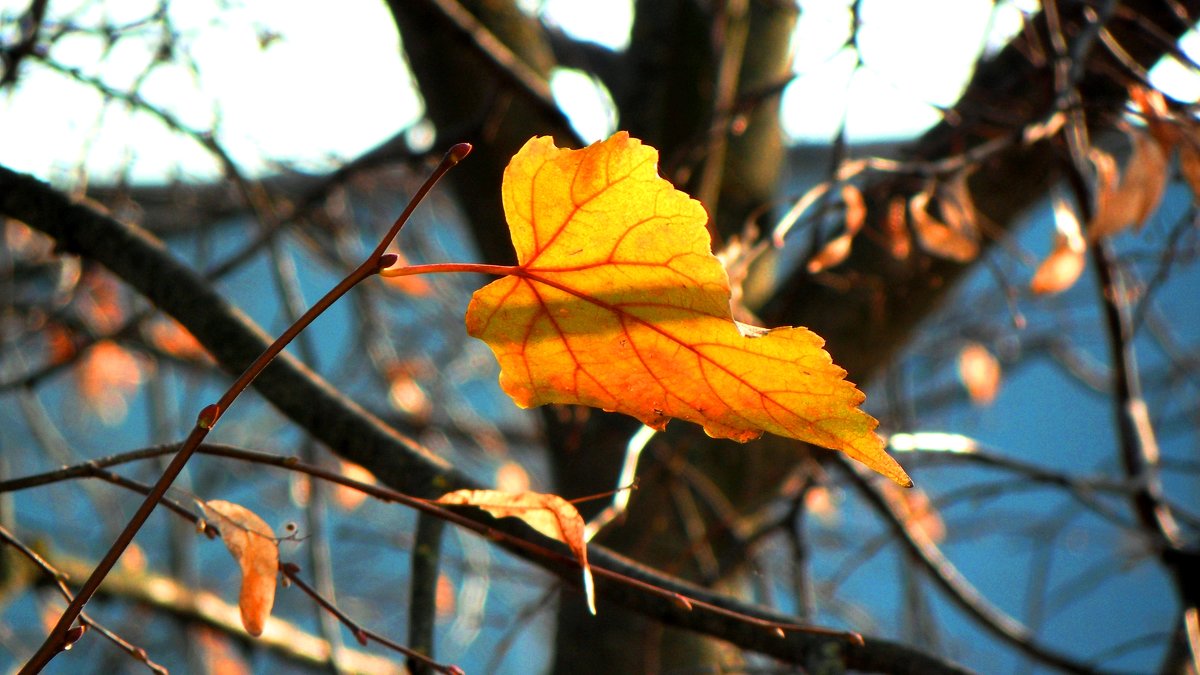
<point x="127" y="305"/>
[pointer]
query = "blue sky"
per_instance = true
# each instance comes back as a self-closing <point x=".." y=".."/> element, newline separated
<point x="305" y="99"/>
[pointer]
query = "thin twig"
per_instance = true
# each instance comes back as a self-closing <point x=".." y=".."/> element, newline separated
<point x="947" y="576"/>
<point x="362" y="634"/>
<point x="208" y="417"/>
<point x="59" y="582"/>
<point x="397" y="460"/>
<point x="423" y="582"/>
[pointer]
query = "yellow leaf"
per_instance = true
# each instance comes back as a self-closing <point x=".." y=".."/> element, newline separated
<point x="252" y="544"/>
<point x="551" y="515"/>
<point x="618" y="303"/>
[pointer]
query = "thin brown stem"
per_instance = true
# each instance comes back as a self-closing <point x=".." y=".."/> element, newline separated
<point x="947" y="576"/>
<point x="362" y="634"/>
<point x="59" y="582"/>
<point x="56" y="641"/>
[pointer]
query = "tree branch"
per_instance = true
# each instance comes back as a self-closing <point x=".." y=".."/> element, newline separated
<point x="394" y="459"/>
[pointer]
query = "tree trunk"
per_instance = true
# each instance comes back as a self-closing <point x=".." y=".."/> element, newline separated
<point x="697" y="83"/>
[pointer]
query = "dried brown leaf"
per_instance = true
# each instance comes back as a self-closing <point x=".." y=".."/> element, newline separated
<point x="1138" y="193"/>
<point x="512" y="477"/>
<point x="838" y="249"/>
<point x="938" y="238"/>
<point x="444" y="597"/>
<point x="895" y="228"/>
<point x="410" y="284"/>
<point x="347" y="498"/>
<point x="917" y="512"/>
<point x="1062" y="267"/>
<point x="219" y="656"/>
<point x="956" y="206"/>
<point x="171" y="337"/>
<point x="550" y="515"/>
<point x="253" y="545"/>
<point x="980" y="373"/>
<point x="1189" y="158"/>
<point x="832" y="254"/>
<point x="1153" y="106"/>
<point x="856" y="208"/>
<point x="105" y="378"/>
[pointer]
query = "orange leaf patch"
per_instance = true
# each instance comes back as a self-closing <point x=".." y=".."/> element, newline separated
<point x="252" y="544"/>
<point x="618" y="303"/>
<point x="551" y="515"/>
<point x="980" y="373"/>
<point x="1061" y="269"/>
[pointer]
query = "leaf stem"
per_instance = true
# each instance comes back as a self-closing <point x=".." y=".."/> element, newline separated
<point x="444" y="268"/>
<point x="57" y="641"/>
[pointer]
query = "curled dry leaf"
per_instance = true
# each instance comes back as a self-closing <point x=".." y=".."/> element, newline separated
<point x="917" y="512"/>
<point x="171" y="337"/>
<point x="1066" y="261"/>
<point x="444" y="597"/>
<point x="979" y="372"/>
<point x="938" y="238"/>
<point x="219" y="655"/>
<point x="1153" y="106"/>
<point x="106" y="377"/>
<point x="253" y="545"/>
<point x="618" y="303"/>
<point x="838" y="249"/>
<point x="512" y="477"/>
<point x="1189" y="157"/>
<point x="408" y="284"/>
<point x="822" y="503"/>
<point x="895" y="228"/>
<point x="832" y="254"/>
<point x="1132" y="199"/>
<point x="347" y="498"/>
<point x="856" y="208"/>
<point x="550" y="515"/>
<point x="956" y="205"/>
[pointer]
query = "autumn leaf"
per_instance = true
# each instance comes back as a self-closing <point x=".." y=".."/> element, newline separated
<point x="618" y="303"/>
<point x="895" y="228"/>
<point x="1189" y="158"/>
<point x="837" y="249"/>
<point x="252" y="544"/>
<point x="410" y="285"/>
<point x="939" y="238"/>
<point x="1133" y="198"/>
<point x="980" y="373"/>
<point x="550" y="515"/>
<point x="916" y="511"/>
<point x="348" y="498"/>
<point x="106" y="377"/>
<point x="1061" y="269"/>
<point x="171" y="337"/>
